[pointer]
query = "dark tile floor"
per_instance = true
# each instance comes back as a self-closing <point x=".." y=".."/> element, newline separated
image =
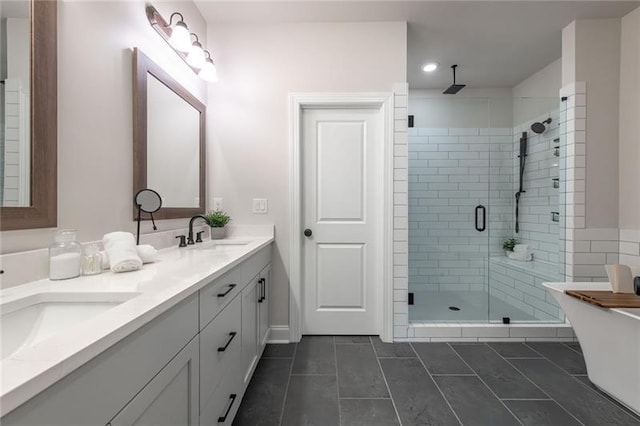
<point x="358" y="380"/>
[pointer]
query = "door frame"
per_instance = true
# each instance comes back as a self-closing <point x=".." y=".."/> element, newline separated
<point x="297" y="103"/>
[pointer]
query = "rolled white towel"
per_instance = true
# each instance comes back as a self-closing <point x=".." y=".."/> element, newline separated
<point x="146" y="252"/>
<point x="122" y="252"/>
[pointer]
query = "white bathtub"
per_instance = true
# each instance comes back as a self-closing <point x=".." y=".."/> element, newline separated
<point x="610" y="341"/>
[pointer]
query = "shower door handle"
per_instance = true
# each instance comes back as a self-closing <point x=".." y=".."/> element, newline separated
<point x="484" y="218"/>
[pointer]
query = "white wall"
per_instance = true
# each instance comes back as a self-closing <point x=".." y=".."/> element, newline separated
<point x="469" y="108"/>
<point x="95" y="160"/>
<point x="545" y="83"/>
<point x="595" y="45"/>
<point x="629" y="147"/>
<point x="259" y="65"/>
<point x="534" y="95"/>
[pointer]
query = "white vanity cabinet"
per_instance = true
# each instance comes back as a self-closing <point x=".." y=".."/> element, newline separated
<point x="250" y="296"/>
<point x="125" y="379"/>
<point x="171" y="398"/>
<point x="263" y="308"/>
<point x="189" y="366"/>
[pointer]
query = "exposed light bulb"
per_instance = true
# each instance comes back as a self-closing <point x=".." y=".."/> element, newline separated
<point x="196" y="56"/>
<point x="180" y="38"/>
<point x="209" y="72"/>
<point x="430" y="67"/>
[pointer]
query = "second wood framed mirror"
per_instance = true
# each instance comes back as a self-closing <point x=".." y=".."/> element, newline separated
<point x="168" y="140"/>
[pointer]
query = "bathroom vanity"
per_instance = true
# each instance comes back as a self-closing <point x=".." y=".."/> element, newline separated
<point x="174" y="343"/>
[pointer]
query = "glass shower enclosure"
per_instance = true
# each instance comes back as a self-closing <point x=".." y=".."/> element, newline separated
<point x="468" y="157"/>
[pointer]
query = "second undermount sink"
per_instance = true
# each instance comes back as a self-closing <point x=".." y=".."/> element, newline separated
<point x="220" y="245"/>
<point x="32" y="319"/>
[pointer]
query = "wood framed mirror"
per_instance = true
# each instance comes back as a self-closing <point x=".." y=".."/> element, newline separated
<point x="168" y="140"/>
<point x="39" y="206"/>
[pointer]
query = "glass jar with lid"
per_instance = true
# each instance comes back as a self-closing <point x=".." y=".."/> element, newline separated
<point x="65" y="256"/>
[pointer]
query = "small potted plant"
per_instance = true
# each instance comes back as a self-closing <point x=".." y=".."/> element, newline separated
<point x="509" y="244"/>
<point x="218" y="220"/>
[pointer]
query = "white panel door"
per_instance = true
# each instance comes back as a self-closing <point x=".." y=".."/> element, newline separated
<point x="342" y="208"/>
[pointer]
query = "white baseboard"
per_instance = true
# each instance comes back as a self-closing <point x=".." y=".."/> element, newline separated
<point x="279" y="334"/>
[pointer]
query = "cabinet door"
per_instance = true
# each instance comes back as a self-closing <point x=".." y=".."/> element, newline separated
<point x="171" y="398"/>
<point x="250" y="296"/>
<point x="263" y="309"/>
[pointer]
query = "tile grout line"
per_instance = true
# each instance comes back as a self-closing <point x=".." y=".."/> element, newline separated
<point x="624" y="410"/>
<point x="535" y="384"/>
<point x="286" y="391"/>
<point x="549" y="359"/>
<point x="393" y="402"/>
<point x="486" y="385"/>
<point x="435" y="384"/>
<point x="579" y="353"/>
<point x="335" y="361"/>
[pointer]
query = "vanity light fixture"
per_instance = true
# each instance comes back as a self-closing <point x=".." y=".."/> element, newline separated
<point x="196" y="57"/>
<point x="208" y="71"/>
<point x="179" y="38"/>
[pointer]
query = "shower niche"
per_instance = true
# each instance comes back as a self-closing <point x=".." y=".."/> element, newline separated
<point x="501" y="154"/>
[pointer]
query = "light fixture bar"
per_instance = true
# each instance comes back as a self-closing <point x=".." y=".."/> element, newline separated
<point x="163" y="28"/>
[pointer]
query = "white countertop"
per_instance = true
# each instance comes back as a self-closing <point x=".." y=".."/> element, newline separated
<point x="177" y="274"/>
<point x="595" y="286"/>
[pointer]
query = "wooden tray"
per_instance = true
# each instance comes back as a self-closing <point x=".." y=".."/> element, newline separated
<point x="606" y="299"/>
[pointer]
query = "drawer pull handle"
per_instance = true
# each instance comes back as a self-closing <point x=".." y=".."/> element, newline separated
<point x="232" y="335"/>
<point x="232" y="397"/>
<point x="231" y="287"/>
<point x="262" y="290"/>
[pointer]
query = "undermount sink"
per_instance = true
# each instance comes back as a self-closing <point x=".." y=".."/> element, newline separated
<point x="32" y="319"/>
<point x="220" y="245"/>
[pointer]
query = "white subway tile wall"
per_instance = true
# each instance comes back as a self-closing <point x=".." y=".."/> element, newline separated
<point x="400" y="212"/>
<point x="451" y="172"/>
<point x="540" y="199"/>
<point x="629" y="247"/>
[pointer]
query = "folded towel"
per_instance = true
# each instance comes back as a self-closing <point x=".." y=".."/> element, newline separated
<point x="122" y="252"/>
<point x="146" y="252"/>
<point x="521" y="252"/>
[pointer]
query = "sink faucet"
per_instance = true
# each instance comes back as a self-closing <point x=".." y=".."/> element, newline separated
<point x="190" y="236"/>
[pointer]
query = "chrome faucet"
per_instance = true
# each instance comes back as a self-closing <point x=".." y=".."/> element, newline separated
<point x="190" y="236"/>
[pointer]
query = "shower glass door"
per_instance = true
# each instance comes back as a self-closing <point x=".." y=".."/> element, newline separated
<point x="515" y="277"/>
<point x="450" y="153"/>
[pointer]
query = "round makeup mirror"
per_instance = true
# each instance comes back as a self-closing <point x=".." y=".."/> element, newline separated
<point x="148" y="201"/>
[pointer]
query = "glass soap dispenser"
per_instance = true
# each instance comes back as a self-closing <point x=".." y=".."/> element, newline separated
<point x="65" y="256"/>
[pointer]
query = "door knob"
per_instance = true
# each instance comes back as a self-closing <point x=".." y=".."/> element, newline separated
<point x="307" y="232"/>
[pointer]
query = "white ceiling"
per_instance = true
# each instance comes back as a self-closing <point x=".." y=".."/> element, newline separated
<point x="495" y="43"/>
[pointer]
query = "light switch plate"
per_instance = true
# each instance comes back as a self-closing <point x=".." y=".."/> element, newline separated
<point x="260" y="206"/>
<point x="217" y="204"/>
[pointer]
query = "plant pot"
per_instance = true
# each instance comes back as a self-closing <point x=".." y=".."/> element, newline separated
<point x="506" y="252"/>
<point x="218" y="233"/>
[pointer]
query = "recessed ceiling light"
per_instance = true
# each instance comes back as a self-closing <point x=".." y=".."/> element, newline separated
<point x="430" y="67"/>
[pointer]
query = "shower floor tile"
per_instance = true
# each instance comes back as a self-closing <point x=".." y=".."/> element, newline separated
<point x="434" y="306"/>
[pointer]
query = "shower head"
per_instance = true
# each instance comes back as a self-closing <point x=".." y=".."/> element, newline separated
<point x="454" y="88"/>
<point x="540" y="127"/>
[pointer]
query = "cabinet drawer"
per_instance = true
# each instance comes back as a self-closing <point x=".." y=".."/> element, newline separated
<point x="223" y="405"/>
<point x="215" y="296"/>
<point x="219" y="348"/>
<point x="252" y="266"/>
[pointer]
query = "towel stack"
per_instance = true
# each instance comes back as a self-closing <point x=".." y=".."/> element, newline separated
<point x="521" y="252"/>
<point x="146" y="252"/>
<point x="122" y="252"/>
